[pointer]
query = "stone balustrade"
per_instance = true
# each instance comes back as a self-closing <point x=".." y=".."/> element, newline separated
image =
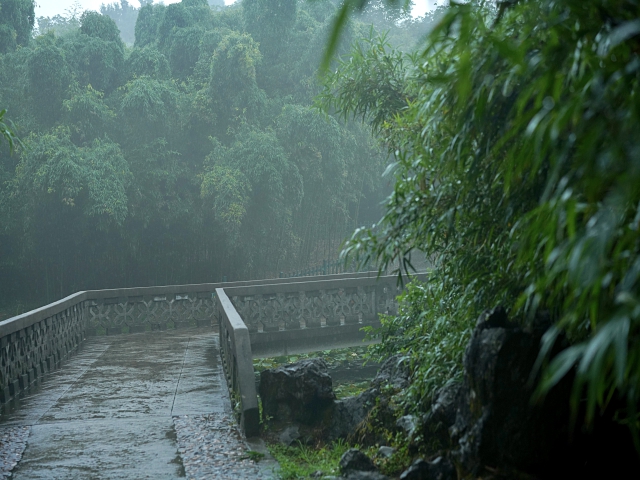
<point x="254" y="318"/>
<point x="316" y="314"/>
<point x="35" y="342"/>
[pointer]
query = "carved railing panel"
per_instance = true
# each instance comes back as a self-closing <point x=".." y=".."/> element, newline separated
<point x="27" y="353"/>
<point x="153" y="312"/>
<point x="358" y="301"/>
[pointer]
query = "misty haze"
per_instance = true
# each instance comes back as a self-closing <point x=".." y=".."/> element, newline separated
<point x="287" y="239"/>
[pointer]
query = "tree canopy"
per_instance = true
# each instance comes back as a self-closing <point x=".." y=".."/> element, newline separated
<point x="17" y="18"/>
<point x="515" y="136"/>
<point x="183" y="148"/>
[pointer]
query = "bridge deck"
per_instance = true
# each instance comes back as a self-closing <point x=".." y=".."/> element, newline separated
<point x="138" y="406"/>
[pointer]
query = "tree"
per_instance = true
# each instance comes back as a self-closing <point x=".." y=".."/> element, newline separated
<point x="6" y="131"/>
<point x="232" y="86"/>
<point x="17" y="18"/>
<point x="58" y="24"/>
<point x="185" y="51"/>
<point x="99" y="26"/>
<point x="149" y="18"/>
<point x="255" y="187"/>
<point x="87" y="116"/>
<point x="147" y="61"/>
<point x="96" y="52"/>
<point x="124" y="15"/>
<point x="176" y="16"/>
<point x="270" y="23"/>
<point x="48" y="77"/>
<point x="146" y="107"/>
<point x="227" y="169"/>
<point x="323" y="153"/>
<point x="93" y="179"/>
<point x="229" y="188"/>
<point x="269" y="20"/>
<point x="387" y="14"/>
<point x="61" y="24"/>
<point x="515" y="171"/>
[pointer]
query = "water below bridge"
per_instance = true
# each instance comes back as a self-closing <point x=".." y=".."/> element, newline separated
<point x="139" y="406"/>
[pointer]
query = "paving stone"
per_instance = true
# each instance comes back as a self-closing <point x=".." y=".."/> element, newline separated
<point x="211" y="446"/>
<point x="13" y="441"/>
<point x="149" y="405"/>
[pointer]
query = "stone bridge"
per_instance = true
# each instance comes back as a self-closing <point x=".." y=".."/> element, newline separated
<point x="158" y="382"/>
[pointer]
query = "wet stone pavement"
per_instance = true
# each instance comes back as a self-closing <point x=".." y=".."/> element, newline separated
<point x="140" y="406"/>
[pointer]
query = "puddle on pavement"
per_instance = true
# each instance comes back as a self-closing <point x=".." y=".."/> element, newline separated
<point x="173" y="436"/>
<point x="180" y="467"/>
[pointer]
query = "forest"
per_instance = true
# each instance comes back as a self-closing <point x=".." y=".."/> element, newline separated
<point x="174" y="144"/>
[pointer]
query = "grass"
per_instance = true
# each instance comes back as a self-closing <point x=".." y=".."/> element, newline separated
<point x="344" y="390"/>
<point x="351" y="357"/>
<point x="346" y="357"/>
<point x="300" y="461"/>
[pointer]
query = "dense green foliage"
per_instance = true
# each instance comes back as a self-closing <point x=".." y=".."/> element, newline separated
<point x="517" y="172"/>
<point x="192" y="155"/>
<point x="16" y="22"/>
<point x="301" y="461"/>
<point x="6" y="133"/>
<point x="351" y="358"/>
<point x="429" y="332"/>
<point x="124" y="16"/>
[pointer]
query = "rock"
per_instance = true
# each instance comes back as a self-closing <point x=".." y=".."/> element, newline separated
<point x="316" y="474"/>
<point x="362" y="475"/>
<point x="386" y="452"/>
<point x="348" y="414"/>
<point x="441" y="417"/>
<point x="439" y="469"/>
<point x="495" y="423"/>
<point x="354" y="460"/>
<point x="297" y="392"/>
<point x="407" y="424"/>
<point x="289" y="435"/>
<point x="495" y="318"/>
<point x="445" y="404"/>
<point x="394" y="372"/>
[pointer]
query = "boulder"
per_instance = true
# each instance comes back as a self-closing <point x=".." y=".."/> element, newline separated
<point x="441" y="417"/>
<point x="363" y="475"/>
<point x="439" y="469"/>
<point x="348" y="414"/>
<point x="495" y="422"/>
<point x="394" y="373"/>
<point x="297" y="392"/>
<point x="386" y="452"/>
<point x="407" y="424"/>
<point x="354" y="460"/>
<point x="497" y="425"/>
<point x="289" y="435"/>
